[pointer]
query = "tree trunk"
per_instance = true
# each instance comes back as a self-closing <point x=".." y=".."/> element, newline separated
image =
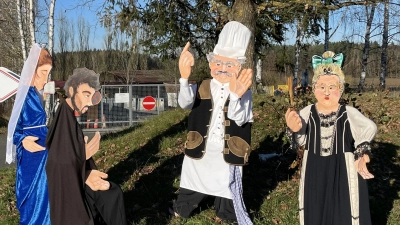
<point x="364" y="62"/>
<point x="259" y="71"/>
<point x="49" y="104"/>
<point x="299" y="35"/>
<point x="51" y="27"/>
<point x="326" y="27"/>
<point x="32" y="22"/>
<point x="244" y="11"/>
<point x="385" y="41"/>
<point x="21" y="29"/>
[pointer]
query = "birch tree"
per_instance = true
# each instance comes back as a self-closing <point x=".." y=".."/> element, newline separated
<point x="49" y="103"/>
<point x="21" y="29"/>
<point x="32" y="22"/>
<point x="370" y="12"/>
<point x="51" y="27"/>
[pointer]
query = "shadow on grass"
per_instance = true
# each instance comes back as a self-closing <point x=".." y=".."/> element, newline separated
<point x="3" y="122"/>
<point x="384" y="188"/>
<point x="120" y="133"/>
<point x="149" y="197"/>
<point x="154" y="192"/>
<point x="147" y="201"/>
<point x="261" y="177"/>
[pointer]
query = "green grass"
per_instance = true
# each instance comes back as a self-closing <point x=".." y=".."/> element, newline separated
<point x="8" y="209"/>
<point x="146" y="162"/>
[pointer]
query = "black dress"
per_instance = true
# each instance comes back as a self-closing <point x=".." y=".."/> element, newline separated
<point x="331" y="190"/>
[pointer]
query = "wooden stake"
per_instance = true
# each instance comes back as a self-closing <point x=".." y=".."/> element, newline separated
<point x="290" y="87"/>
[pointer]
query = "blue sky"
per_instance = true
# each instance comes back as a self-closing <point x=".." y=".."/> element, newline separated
<point x="74" y="9"/>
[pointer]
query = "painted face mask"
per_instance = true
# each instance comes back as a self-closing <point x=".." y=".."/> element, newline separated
<point x="82" y="99"/>
<point x="223" y="68"/>
<point x="327" y="91"/>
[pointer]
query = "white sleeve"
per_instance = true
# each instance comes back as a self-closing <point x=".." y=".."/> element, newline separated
<point x="301" y="134"/>
<point x="362" y="128"/>
<point x="186" y="94"/>
<point x="240" y="109"/>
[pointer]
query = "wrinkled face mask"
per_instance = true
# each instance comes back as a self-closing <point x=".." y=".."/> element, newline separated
<point x="223" y="68"/>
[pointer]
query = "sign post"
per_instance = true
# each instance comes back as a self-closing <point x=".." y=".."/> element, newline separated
<point x="149" y="103"/>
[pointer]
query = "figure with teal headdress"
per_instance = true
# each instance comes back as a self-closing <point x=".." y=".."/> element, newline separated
<point x="336" y="139"/>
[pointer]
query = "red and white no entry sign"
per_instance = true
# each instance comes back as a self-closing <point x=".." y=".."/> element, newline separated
<point x="149" y="103"/>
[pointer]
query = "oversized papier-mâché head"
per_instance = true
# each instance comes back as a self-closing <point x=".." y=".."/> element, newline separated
<point x="229" y="53"/>
<point x="329" y="64"/>
<point x="82" y="88"/>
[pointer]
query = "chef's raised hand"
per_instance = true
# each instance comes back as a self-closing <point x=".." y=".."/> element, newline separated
<point x="29" y="143"/>
<point x="293" y="120"/>
<point x="95" y="181"/>
<point x="186" y="61"/>
<point x="93" y="146"/>
<point x="239" y="85"/>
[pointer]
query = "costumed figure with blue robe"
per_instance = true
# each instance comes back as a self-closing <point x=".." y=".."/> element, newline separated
<point x="26" y="139"/>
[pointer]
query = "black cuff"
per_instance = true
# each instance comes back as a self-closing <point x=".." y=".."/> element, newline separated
<point x="363" y="148"/>
<point x="292" y="138"/>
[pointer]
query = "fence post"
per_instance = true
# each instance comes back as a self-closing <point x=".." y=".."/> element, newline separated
<point x="101" y="103"/>
<point x="130" y="104"/>
<point x="158" y="99"/>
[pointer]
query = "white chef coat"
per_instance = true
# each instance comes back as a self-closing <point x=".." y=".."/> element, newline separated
<point x="210" y="175"/>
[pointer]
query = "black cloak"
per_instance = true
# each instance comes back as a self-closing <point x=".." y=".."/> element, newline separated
<point x="71" y="200"/>
<point x="67" y="169"/>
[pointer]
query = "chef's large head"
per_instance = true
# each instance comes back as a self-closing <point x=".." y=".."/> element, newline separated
<point x="81" y="88"/>
<point x="229" y="54"/>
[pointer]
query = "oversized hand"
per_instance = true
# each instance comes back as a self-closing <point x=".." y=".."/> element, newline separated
<point x="29" y="143"/>
<point x="242" y="83"/>
<point x="95" y="181"/>
<point x="93" y="146"/>
<point x="186" y="61"/>
<point x="293" y="120"/>
<point x="361" y="167"/>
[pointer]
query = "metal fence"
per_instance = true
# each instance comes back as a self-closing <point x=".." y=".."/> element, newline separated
<point x="127" y="105"/>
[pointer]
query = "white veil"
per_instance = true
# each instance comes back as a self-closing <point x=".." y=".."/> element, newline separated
<point x="24" y="83"/>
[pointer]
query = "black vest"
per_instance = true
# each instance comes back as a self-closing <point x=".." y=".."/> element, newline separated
<point x="236" y="140"/>
<point x="343" y="138"/>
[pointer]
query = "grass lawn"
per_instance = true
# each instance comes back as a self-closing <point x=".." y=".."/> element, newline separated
<point x="146" y="162"/>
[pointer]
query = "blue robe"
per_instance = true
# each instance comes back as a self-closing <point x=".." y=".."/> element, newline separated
<point x="31" y="179"/>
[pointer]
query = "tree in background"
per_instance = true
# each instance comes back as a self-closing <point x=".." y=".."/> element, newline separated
<point x="170" y="24"/>
<point x="10" y="42"/>
<point x="370" y="12"/>
<point x="63" y="35"/>
<point x="385" y="42"/>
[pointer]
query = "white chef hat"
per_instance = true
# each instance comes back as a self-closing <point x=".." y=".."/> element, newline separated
<point x="233" y="41"/>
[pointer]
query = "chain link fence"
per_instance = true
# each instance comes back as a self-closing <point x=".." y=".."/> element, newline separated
<point x="127" y="105"/>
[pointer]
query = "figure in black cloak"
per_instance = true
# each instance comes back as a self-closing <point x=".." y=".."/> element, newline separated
<point x="78" y="192"/>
